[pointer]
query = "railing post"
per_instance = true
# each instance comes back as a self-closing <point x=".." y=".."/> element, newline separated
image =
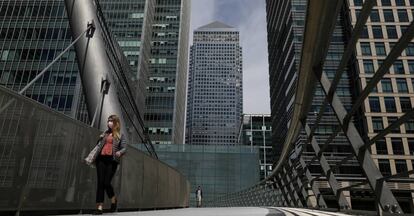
<point x="315" y="189"/>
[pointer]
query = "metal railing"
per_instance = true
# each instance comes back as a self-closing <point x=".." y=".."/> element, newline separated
<point x="291" y="183"/>
<point x="42" y="166"/>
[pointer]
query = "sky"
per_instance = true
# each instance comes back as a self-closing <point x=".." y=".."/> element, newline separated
<point x="249" y="17"/>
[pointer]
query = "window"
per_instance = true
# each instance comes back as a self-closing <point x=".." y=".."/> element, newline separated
<point x="402" y="16"/>
<point x="411" y="66"/>
<point x="368" y="66"/>
<point x="381" y="146"/>
<point x="400" y="2"/>
<point x="374" y="16"/>
<point x="409" y="126"/>
<point x="380" y="49"/>
<point x="358" y="2"/>
<point x="386" y="2"/>
<point x="398" y="67"/>
<point x="390" y="104"/>
<point x="375" y="87"/>
<point x="374" y="104"/>
<point x="364" y="33"/>
<point x="397" y="146"/>
<point x="401" y="167"/>
<point x="392" y="32"/>
<point x="411" y="145"/>
<point x="403" y="29"/>
<point x="391" y="120"/>
<point x="405" y="103"/>
<point x="388" y="15"/>
<point x="357" y="12"/>
<point x="377" y="31"/>
<point x="365" y="49"/>
<point x="136" y="15"/>
<point x="402" y="85"/>
<point x="386" y="85"/>
<point x="377" y="124"/>
<point x="409" y="51"/>
<point x="384" y="166"/>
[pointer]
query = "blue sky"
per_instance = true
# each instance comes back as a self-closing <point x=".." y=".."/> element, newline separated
<point x="249" y="17"/>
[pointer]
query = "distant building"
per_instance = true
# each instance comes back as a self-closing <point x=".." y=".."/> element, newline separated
<point x="257" y="132"/>
<point x="215" y="91"/>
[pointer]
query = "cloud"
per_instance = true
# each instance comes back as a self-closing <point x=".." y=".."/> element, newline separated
<point x="249" y="17"/>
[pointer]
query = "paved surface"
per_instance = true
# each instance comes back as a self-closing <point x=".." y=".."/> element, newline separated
<point x="247" y="211"/>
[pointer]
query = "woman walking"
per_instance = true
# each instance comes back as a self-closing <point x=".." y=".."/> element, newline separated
<point x="112" y="146"/>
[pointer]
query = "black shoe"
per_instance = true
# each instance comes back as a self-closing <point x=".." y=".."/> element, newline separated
<point x="97" y="212"/>
<point x="114" y="206"/>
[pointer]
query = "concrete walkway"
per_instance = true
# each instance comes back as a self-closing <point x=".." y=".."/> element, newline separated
<point x="236" y="211"/>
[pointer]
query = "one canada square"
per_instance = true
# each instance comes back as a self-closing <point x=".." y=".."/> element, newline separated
<point x="215" y="90"/>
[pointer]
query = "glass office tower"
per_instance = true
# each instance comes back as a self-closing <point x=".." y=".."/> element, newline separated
<point x="215" y="91"/>
<point x="167" y="83"/>
<point x="32" y="34"/>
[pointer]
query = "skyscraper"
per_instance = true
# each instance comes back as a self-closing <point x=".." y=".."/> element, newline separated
<point x="130" y="22"/>
<point x="167" y="83"/>
<point x="215" y="91"/>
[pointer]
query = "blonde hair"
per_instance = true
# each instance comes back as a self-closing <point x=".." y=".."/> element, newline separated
<point x="116" y="129"/>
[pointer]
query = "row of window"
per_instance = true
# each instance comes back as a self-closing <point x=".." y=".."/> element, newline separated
<point x="380" y="49"/>
<point x="388" y="15"/>
<point x="398" y="66"/>
<point x="397" y="146"/>
<point x="385" y="166"/>
<point x="386" y="2"/>
<point x="390" y="107"/>
<point x="35" y="33"/>
<point x="378" y="125"/>
<point x="387" y="86"/>
<point x="49" y="78"/>
<point x="377" y="31"/>
<point x="158" y="117"/>
<point x="60" y="103"/>
<point x="157" y="130"/>
<point x="32" y="11"/>
<point x="34" y="54"/>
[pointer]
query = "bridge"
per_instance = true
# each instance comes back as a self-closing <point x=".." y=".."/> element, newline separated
<point x="40" y="135"/>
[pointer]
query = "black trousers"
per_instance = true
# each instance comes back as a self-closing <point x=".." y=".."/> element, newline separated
<point x="105" y="168"/>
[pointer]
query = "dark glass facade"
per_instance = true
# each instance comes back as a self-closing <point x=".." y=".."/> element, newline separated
<point x="130" y="21"/>
<point x="257" y="132"/>
<point x="32" y="34"/>
<point x="218" y="169"/>
<point x="167" y="83"/>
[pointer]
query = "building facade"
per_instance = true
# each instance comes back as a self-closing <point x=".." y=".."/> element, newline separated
<point x="215" y="91"/>
<point x="32" y="34"/>
<point x="167" y="83"/>
<point x="286" y="20"/>
<point x="257" y="132"/>
<point x="219" y="170"/>
<point x="394" y="95"/>
<point x="390" y="99"/>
